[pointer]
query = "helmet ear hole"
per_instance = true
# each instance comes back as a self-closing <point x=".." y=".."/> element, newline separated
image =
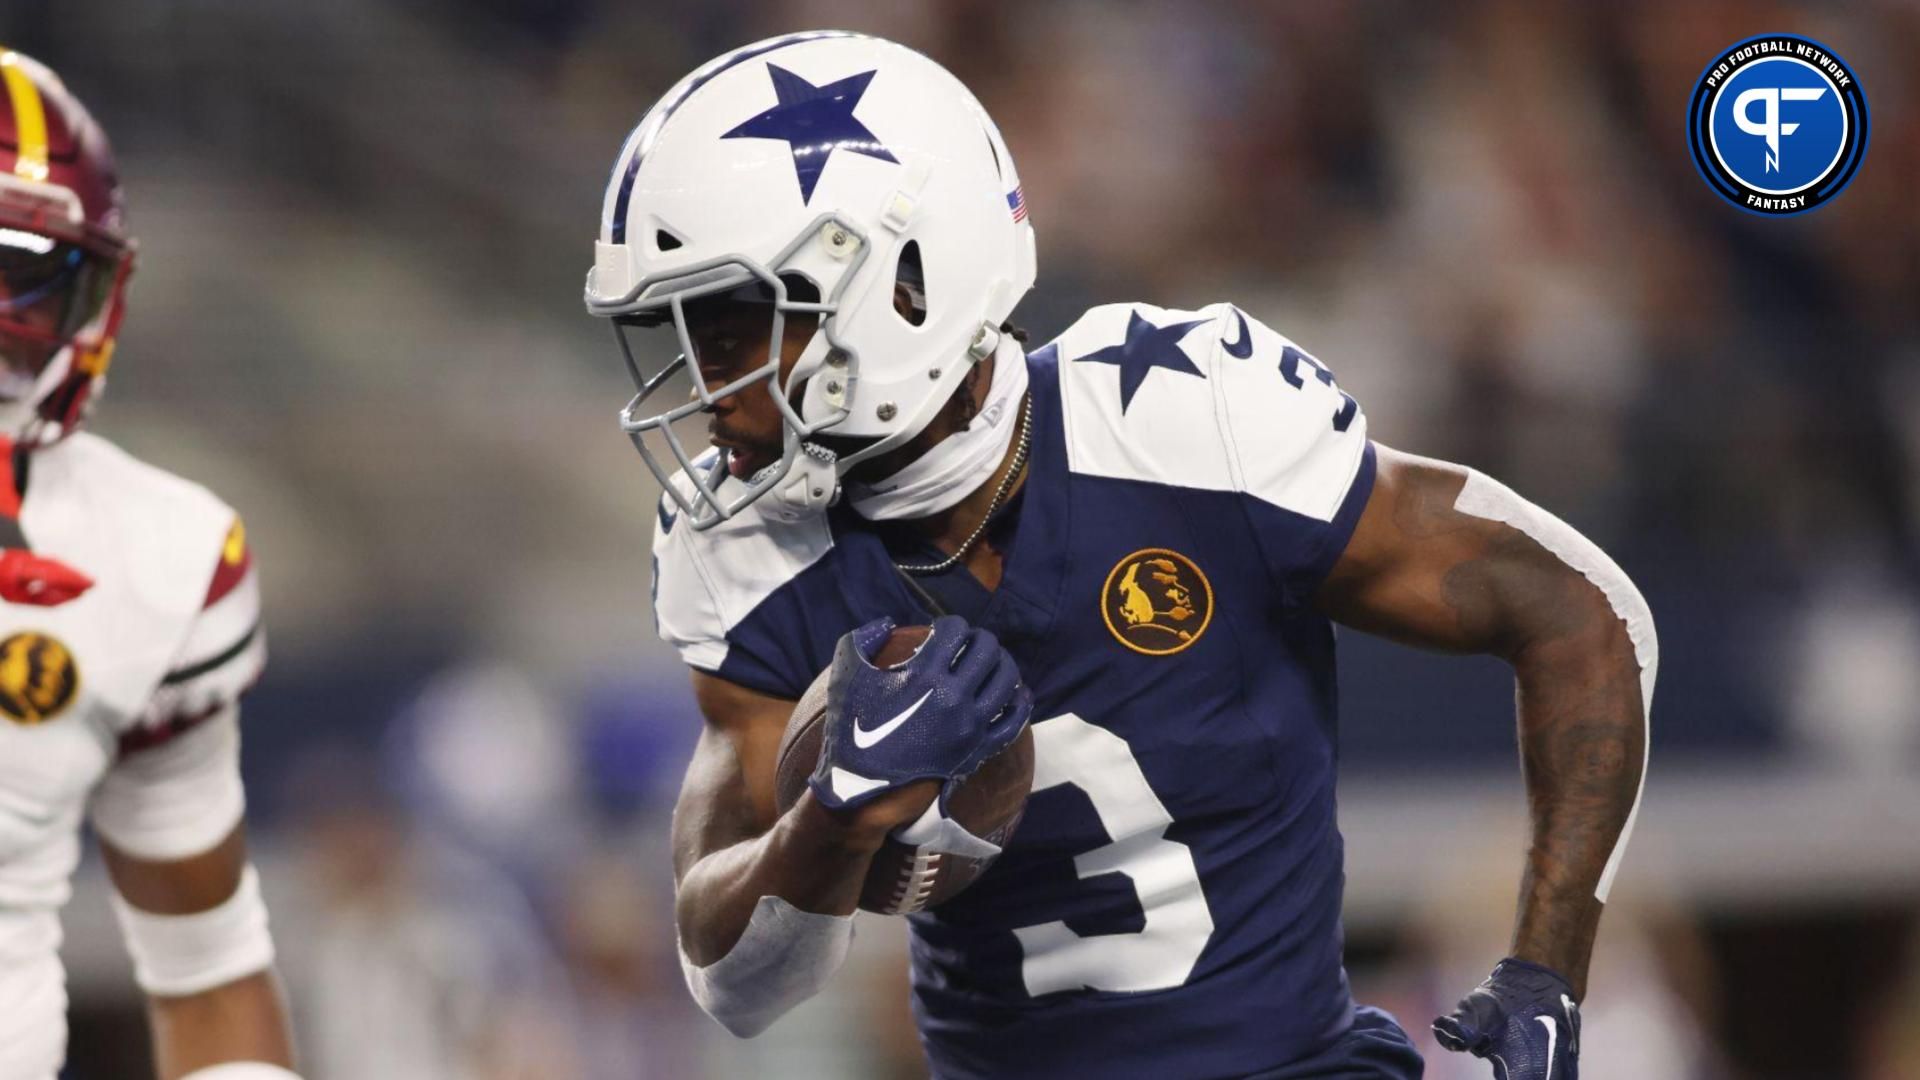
<point x="910" y="285"/>
<point x="665" y="236"/>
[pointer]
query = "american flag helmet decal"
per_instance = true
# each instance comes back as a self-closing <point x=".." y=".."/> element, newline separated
<point x="1017" y="202"/>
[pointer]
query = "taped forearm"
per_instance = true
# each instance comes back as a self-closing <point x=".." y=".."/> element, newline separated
<point x="784" y="956"/>
<point x="1484" y="497"/>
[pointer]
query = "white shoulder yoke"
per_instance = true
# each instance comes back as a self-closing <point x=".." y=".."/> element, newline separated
<point x="705" y="583"/>
<point x="1210" y="399"/>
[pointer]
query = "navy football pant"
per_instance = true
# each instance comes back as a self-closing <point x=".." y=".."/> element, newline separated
<point x="1375" y="1048"/>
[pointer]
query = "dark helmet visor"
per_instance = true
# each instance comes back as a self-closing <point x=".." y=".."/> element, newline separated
<point x="49" y="289"/>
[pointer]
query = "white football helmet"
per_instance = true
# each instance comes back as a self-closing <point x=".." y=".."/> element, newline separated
<point x="828" y="157"/>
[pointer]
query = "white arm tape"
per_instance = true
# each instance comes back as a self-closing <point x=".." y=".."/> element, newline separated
<point x="784" y="957"/>
<point x="242" y="1070"/>
<point x="180" y="955"/>
<point x="177" y="799"/>
<point x="1485" y="497"/>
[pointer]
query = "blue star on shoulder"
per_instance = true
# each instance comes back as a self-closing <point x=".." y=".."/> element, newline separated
<point x="814" y="121"/>
<point x="1147" y="347"/>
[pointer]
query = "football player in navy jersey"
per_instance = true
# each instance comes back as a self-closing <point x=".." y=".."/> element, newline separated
<point x="1135" y="539"/>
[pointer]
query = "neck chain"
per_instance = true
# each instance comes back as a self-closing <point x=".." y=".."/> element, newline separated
<point x="999" y="495"/>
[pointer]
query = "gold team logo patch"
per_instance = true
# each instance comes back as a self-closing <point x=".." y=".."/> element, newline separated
<point x="1157" y="602"/>
<point x="38" y="678"/>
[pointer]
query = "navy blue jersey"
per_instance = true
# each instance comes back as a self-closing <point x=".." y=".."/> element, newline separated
<point x="1170" y="905"/>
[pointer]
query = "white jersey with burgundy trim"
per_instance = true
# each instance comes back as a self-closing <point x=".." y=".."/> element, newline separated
<point x="114" y="701"/>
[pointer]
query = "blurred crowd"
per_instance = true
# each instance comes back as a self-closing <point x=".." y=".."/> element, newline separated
<point x="364" y="227"/>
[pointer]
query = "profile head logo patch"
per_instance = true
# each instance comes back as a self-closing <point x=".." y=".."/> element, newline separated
<point x="38" y="678"/>
<point x="1778" y="124"/>
<point x="1157" y="602"/>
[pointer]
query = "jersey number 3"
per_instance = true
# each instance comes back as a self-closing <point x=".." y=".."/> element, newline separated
<point x="1068" y="750"/>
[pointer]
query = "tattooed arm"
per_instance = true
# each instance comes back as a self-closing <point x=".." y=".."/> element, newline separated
<point x="1485" y="572"/>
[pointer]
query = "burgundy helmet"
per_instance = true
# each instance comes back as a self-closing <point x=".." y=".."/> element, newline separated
<point x="65" y="256"/>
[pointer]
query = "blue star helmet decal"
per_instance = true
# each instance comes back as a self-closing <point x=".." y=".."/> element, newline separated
<point x="814" y="121"/>
<point x="1147" y="347"/>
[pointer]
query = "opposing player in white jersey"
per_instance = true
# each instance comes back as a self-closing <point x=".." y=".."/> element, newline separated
<point x="129" y="628"/>
<point x="1157" y="517"/>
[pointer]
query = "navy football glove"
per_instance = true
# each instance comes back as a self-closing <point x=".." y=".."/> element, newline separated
<point x="957" y="702"/>
<point x="1523" y="1019"/>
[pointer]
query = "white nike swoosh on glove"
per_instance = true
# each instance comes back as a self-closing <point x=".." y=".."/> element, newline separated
<point x="864" y="738"/>
<point x="1553" y="1036"/>
<point x="937" y="832"/>
<point x="851" y="785"/>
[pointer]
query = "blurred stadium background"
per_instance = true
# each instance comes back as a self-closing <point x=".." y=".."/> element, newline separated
<point x="364" y="224"/>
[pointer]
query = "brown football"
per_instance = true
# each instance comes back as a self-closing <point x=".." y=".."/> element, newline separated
<point x="905" y="878"/>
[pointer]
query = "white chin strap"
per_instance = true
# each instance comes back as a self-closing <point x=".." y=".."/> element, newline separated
<point x="23" y="411"/>
<point x="810" y="487"/>
<point x="957" y="465"/>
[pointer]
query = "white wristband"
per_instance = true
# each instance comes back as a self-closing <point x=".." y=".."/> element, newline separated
<point x="242" y="1070"/>
<point x="179" y="955"/>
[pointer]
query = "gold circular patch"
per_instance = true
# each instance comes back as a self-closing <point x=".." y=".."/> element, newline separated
<point x="1157" y="602"/>
<point x="38" y="678"/>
